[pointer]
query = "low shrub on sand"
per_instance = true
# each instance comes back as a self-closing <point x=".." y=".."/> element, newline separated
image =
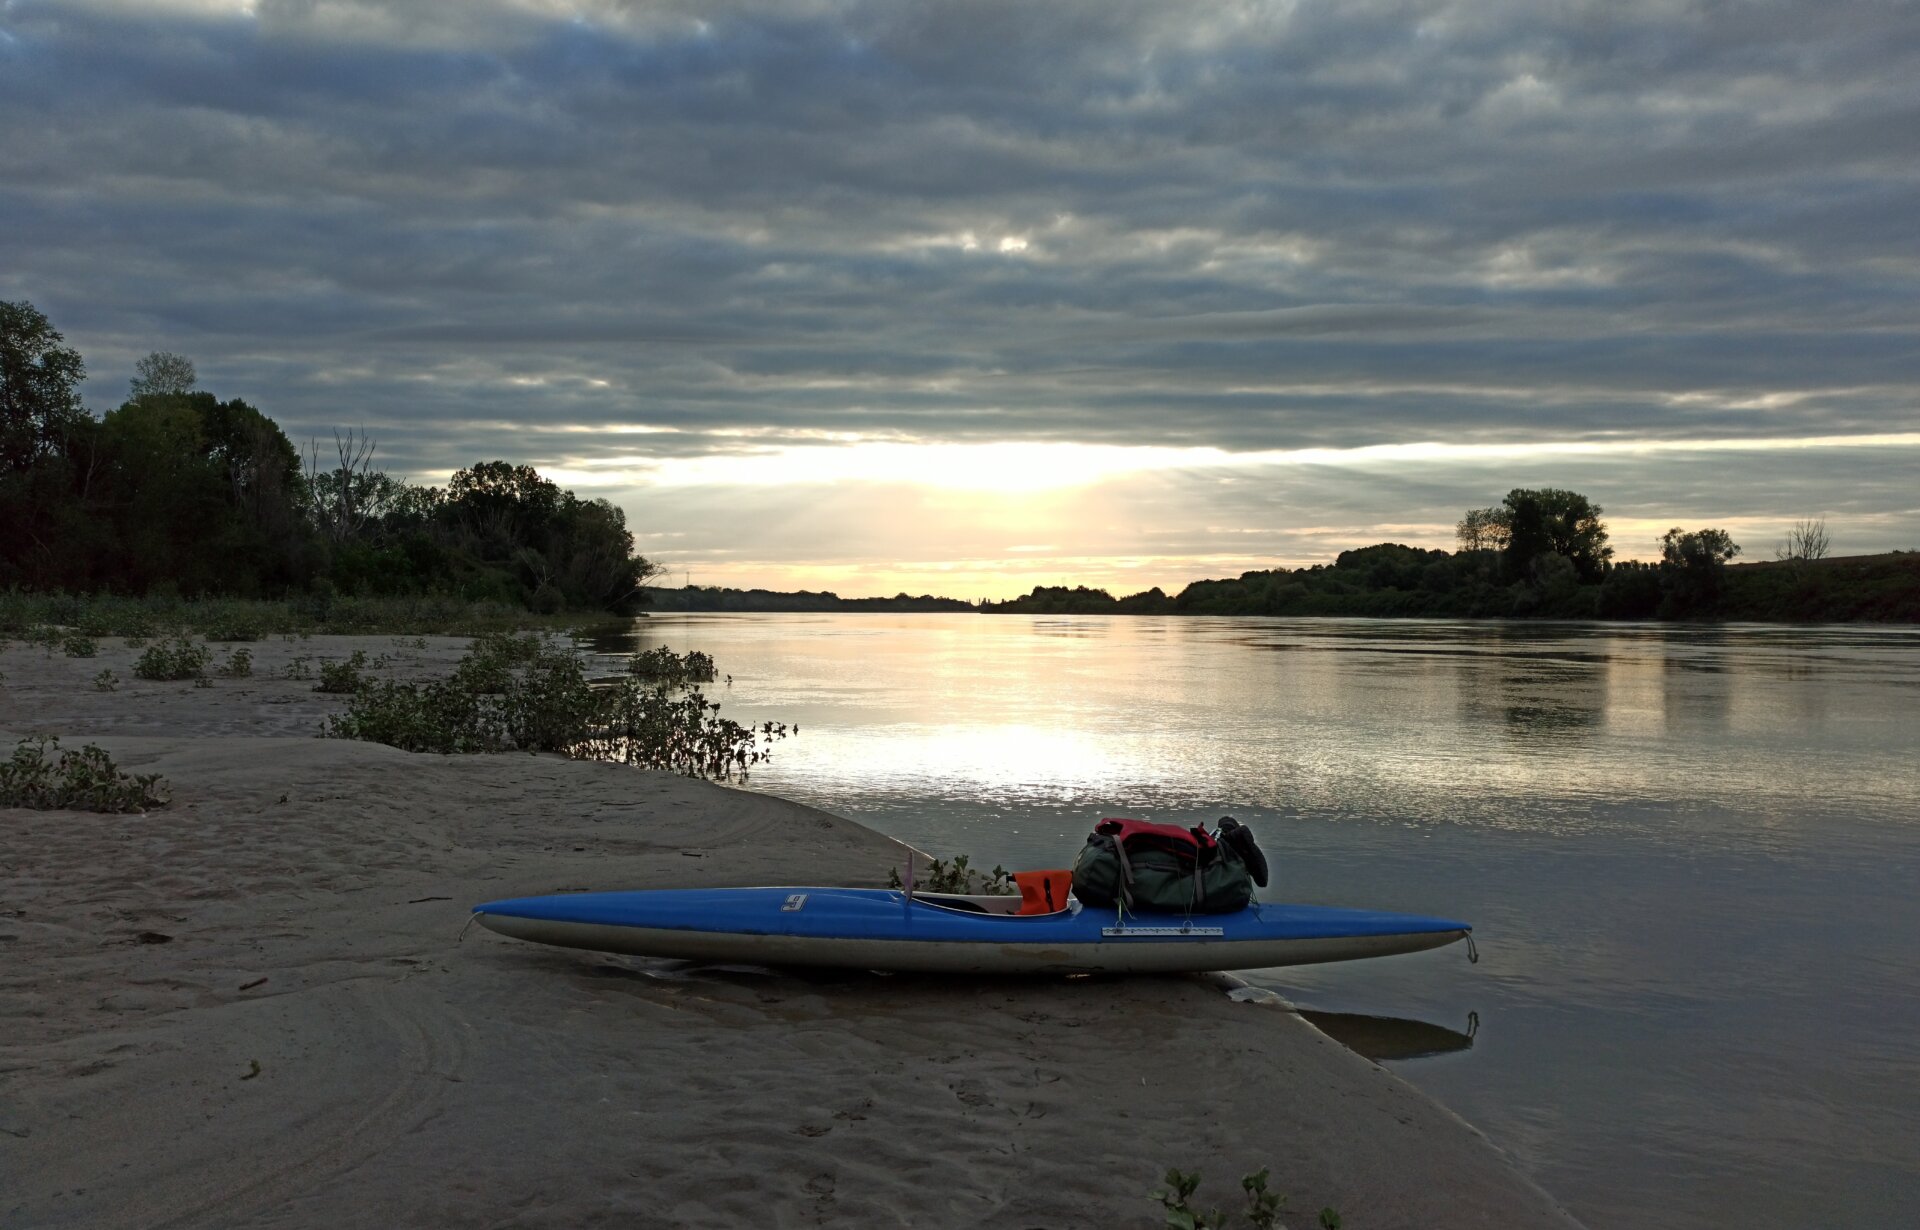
<point x="86" y="780"/>
<point x="343" y="676"/>
<point x="524" y="693"/>
<point x="178" y="658"/>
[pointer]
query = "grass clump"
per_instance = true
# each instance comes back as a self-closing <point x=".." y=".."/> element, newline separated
<point x="179" y="658"/>
<point x="105" y="681"/>
<point x="79" y="645"/>
<point x="86" y="780"/>
<point x="525" y="693"/>
<point x="239" y="664"/>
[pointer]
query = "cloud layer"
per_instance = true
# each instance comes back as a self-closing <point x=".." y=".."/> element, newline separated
<point x="508" y="228"/>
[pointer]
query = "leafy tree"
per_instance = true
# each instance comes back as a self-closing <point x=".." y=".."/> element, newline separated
<point x="1701" y="549"/>
<point x="162" y="373"/>
<point x="204" y="494"/>
<point x="500" y="501"/>
<point x="1549" y="521"/>
<point x="1693" y="566"/>
<point x="1482" y="529"/>
<point x="1387" y="565"/>
<point x="39" y="382"/>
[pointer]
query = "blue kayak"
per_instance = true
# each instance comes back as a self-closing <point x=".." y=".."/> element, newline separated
<point x="885" y="929"/>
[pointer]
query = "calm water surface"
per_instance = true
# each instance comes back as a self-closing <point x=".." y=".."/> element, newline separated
<point x="1689" y="853"/>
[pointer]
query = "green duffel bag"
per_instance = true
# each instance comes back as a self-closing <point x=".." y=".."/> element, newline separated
<point x="1159" y="868"/>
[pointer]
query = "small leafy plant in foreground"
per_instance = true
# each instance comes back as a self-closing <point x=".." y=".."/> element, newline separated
<point x="941" y="876"/>
<point x="1263" y="1207"/>
<point x="178" y="658"/>
<point x="79" y="646"/>
<point x="86" y="780"/>
<point x="105" y="681"/>
<point x="239" y="664"/>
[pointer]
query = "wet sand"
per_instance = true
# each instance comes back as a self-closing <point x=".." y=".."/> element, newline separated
<point x="257" y="1007"/>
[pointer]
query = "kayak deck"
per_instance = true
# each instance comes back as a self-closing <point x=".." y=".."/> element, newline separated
<point x="950" y="933"/>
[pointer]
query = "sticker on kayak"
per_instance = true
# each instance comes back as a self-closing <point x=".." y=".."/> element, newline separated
<point x="1159" y="933"/>
<point x="794" y="901"/>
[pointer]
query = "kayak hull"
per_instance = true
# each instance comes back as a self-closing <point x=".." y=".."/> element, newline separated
<point x="882" y="930"/>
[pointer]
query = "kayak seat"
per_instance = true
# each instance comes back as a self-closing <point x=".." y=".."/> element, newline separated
<point x="1043" y="892"/>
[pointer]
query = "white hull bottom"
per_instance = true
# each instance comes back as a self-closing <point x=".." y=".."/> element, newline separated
<point x="1116" y="956"/>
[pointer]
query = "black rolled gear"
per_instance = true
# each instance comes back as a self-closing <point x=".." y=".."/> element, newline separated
<point x="1240" y="838"/>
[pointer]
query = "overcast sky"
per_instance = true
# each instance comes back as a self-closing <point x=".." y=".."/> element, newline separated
<point x="964" y="297"/>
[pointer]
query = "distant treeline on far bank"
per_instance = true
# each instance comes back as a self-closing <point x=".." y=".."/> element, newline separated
<point x="1543" y="554"/>
<point x="719" y="598"/>
<point x="1880" y="588"/>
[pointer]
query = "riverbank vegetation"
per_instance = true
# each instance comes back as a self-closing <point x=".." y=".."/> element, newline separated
<point x="1542" y="554"/>
<point x="42" y="776"/>
<point x="177" y="494"/>
<point x="531" y="694"/>
<point x="34" y="617"/>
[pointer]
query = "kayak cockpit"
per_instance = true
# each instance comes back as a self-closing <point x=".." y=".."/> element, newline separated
<point x="1041" y="893"/>
<point x="1000" y="906"/>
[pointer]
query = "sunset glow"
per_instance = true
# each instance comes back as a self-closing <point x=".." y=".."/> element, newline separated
<point x="845" y="298"/>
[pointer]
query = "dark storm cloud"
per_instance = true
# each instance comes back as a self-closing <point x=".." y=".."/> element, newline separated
<point x="1255" y="227"/>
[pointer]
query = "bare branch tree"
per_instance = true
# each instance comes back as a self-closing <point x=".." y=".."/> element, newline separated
<point x="341" y="495"/>
<point x="1807" y="540"/>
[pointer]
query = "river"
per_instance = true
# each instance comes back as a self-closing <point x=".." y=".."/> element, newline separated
<point x="1689" y="852"/>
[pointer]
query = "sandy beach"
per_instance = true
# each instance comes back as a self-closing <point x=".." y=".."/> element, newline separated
<point x="257" y="1007"/>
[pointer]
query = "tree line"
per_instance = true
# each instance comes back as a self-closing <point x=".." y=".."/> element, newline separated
<point x="178" y="492"/>
<point x="1540" y="553"/>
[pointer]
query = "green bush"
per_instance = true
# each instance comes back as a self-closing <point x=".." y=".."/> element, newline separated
<point x="489" y="663"/>
<point x="232" y="627"/>
<point x="179" y="658"/>
<point x="525" y="694"/>
<point x="646" y="726"/>
<point x="86" y="780"/>
<point x="239" y="664"/>
<point x="343" y="676"/>
<point x="78" y="646"/>
<point x="662" y="665"/>
<point x="105" y="681"/>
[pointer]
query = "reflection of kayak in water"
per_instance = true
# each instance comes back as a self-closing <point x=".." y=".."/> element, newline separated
<point x="885" y="929"/>
<point x="1387" y="1037"/>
